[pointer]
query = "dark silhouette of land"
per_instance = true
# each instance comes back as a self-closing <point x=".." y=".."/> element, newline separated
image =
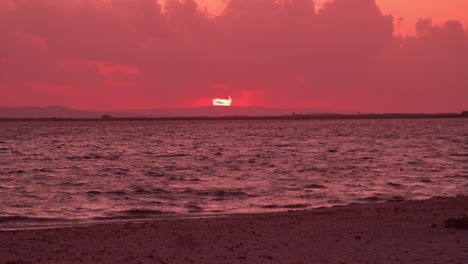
<point x="59" y="113"/>
<point x="208" y="111"/>
<point x="285" y="117"/>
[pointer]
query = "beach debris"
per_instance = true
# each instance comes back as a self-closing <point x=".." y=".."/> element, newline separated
<point x="457" y="223"/>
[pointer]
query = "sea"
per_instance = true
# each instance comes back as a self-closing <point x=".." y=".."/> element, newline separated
<point x="55" y="173"/>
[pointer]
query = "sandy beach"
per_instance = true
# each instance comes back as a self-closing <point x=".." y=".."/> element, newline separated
<point x="390" y="232"/>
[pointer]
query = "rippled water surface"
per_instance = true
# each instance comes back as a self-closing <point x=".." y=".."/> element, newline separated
<point x="97" y="170"/>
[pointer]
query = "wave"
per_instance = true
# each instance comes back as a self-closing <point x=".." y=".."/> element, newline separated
<point x="370" y="199"/>
<point x="426" y="180"/>
<point x="458" y="154"/>
<point x="93" y="192"/>
<point x="194" y="207"/>
<point x="18" y="218"/>
<point x="155" y="173"/>
<point x="86" y="157"/>
<point x="92" y="156"/>
<point x="119" y="193"/>
<point x="218" y="193"/>
<point x="132" y="214"/>
<point x="394" y="184"/>
<point x="465" y="176"/>
<point x="137" y="191"/>
<point x="170" y="155"/>
<point x="287" y="206"/>
<point x="315" y="186"/>
<point x="43" y="170"/>
<point x="141" y="212"/>
<point x="17" y="172"/>
<point x="223" y="193"/>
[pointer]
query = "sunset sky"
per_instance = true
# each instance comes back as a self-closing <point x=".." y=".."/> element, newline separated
<point x="349" y="55"/>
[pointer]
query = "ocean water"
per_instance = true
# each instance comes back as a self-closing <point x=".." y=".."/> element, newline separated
<point x="79" y="172"/>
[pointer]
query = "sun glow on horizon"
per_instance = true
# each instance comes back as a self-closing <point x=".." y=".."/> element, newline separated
<point x="222" y="102"/>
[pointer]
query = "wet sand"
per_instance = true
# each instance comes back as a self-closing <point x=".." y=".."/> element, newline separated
<point x="391" y="232"/>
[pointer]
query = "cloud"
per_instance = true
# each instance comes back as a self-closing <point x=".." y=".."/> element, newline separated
<point x="284" y="53"/>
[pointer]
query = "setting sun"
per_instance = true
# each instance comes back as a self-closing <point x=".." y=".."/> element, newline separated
<point x="222" y="102"/>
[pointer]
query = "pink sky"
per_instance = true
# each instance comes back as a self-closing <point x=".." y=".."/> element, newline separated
<point x="354" y="55"/>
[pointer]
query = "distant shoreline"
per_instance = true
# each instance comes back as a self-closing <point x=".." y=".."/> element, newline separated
<point x="284" y="117"/>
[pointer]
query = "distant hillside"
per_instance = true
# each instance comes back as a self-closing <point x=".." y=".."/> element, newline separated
<point x="208" y="111"/>
<point x="215" y="111"/>
<point x="46" y="112"/>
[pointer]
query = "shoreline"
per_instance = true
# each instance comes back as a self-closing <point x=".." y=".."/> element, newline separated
<point x="388" y="232"/>
<point x="53" y="223"/>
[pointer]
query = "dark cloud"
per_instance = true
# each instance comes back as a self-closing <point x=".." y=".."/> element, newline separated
<point x="345" y="56"/>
